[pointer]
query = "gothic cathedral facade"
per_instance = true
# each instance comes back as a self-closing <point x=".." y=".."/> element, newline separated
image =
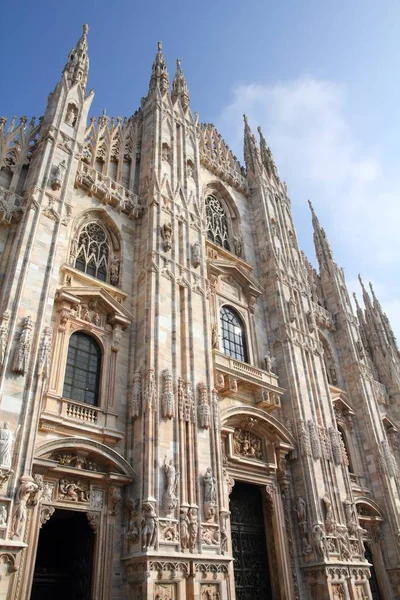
<point x="189" y="410"/>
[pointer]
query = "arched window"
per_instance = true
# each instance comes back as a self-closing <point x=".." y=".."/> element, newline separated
<point x="82" y="373"/>
<point x="217" y="222"/>
<point x="233" y="334"/>
<point x="93" y="251"/>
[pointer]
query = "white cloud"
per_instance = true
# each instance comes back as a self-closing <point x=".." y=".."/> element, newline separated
<point x="310" y="133"/>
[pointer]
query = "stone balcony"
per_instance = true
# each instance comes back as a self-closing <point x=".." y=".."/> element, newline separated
<point x="236" y="378"/>
<point x="63" y="415"/>
<point x="11" y="207"/>
<point x="108" y="191"/>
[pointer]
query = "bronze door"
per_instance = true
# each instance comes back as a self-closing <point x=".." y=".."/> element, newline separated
<point x="252" y="577"/>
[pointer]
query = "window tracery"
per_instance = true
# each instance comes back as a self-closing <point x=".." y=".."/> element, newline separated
<point x="93" y="252"/>
<point x="217" y="222"/>
<point x="233" y="334"/>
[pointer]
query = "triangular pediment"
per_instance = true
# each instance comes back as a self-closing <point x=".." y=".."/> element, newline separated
<point x="227" y="268"/>
<point x="116" y="313"/>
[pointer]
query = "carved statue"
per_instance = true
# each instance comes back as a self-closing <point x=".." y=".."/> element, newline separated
<point x="3" y="336"/>
<point x="149" y="525"/>
<point x="193" y="527"/>
<point x="184" y="528"/>
<point x="114" y="271"/>
<point x="166" y="233"/>
<point x="71" y="115"/>
<point x="115" y="497"/>
<point x="329" y="522"/>
<point x="167" y="398"/>
<point x="74" y="491"/>
<point x="170" y="499"/>
<point x="268" y="362"/>
<point x="136" y="398"/>
<point x="59" y="175"/>
<point x="196" y="254"/>
<point x="344" y="546"/>
<point x="23" y="348"/>
<point x="150" y="391"/>
<point x="319" y="541"/>
<point x="133" y="529"/>
<point x="26" y="489"/>
<point x="210" y="486"/>
<point x="214" y="337"/>
<point x="301" y="511"/>
<point x="350" y="520"/>
<point x="7" y="438"/>
<point x="204" y="407"/>
<point x="45" y="354"/>
<point x="3" y="516"/>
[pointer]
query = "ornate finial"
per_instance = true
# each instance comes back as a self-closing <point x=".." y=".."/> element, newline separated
<point x="310" y="205"/>
<point x="159" y="73"/>
<point x="159" y="46"/>
<point x="245" y="119"/>
<point x="85" y="29"/>
<point x="179" y="87"/>
<point x="77" y="67"/>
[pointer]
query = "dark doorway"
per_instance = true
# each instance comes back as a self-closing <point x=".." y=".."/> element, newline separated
<point x="252" y="577"/>
<point x="64" y="559"/>
<point x="373" y="580"/>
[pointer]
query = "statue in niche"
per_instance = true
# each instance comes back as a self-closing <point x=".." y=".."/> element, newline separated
<point x="184" y="528"/>
<point x="149" y="525"/>
<point x="45" y="353"/>
<point x="133" y="529"/>
<point x="166" y="233"/>
<point x="59" y="175"/>
<point x="214" y="336"/>
<point x="170" y="499"/>
<point x="7" y="438"/>
<point x="210" y="486"/>
<point x="23" y="347"/>
<point x="238" y="245"/>
<point x="71" y="114"/>
<point x="196" y="254"/>
<point x="3" y="516"/>
<point x="301" y="511"/>
<point x="319" y="542"/>
<point x="329" y="522"/>
<point x="114" y="271"/>
<point x="26" y="489"/>
<point x="193" y="527"/>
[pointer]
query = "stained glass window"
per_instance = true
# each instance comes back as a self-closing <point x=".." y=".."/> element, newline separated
<point x="217" y="222"/>
<point x="93" y="251"/>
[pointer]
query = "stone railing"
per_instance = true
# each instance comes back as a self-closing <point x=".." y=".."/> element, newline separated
<point x="232" y="374"/>
<point x="108" y="191"/>
<point x="11" y="207"/>
<point x="86" y="414"/>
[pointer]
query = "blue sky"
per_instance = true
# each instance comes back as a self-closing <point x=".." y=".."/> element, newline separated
<point x="321" y="78"/>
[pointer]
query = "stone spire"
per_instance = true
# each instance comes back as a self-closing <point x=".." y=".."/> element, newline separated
<point x="77" y="67"/>
<point x="251" y="151"/>
<point x="266" y="157"/>
<point x="179" y="87"/>
<point x="159" y="73"/>
<point x="383" y="319"/>
<point x="322" y="247"/>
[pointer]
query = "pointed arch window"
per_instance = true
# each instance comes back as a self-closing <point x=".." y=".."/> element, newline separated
<point x="82" y="373"/>
<point x="93" y="251"/>
<point x="217" y="222"/>
<point x="233" y="334"/>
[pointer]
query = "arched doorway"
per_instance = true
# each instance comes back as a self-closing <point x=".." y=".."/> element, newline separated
<point x="249" y="546"/>
<point x="64" y="560"/>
